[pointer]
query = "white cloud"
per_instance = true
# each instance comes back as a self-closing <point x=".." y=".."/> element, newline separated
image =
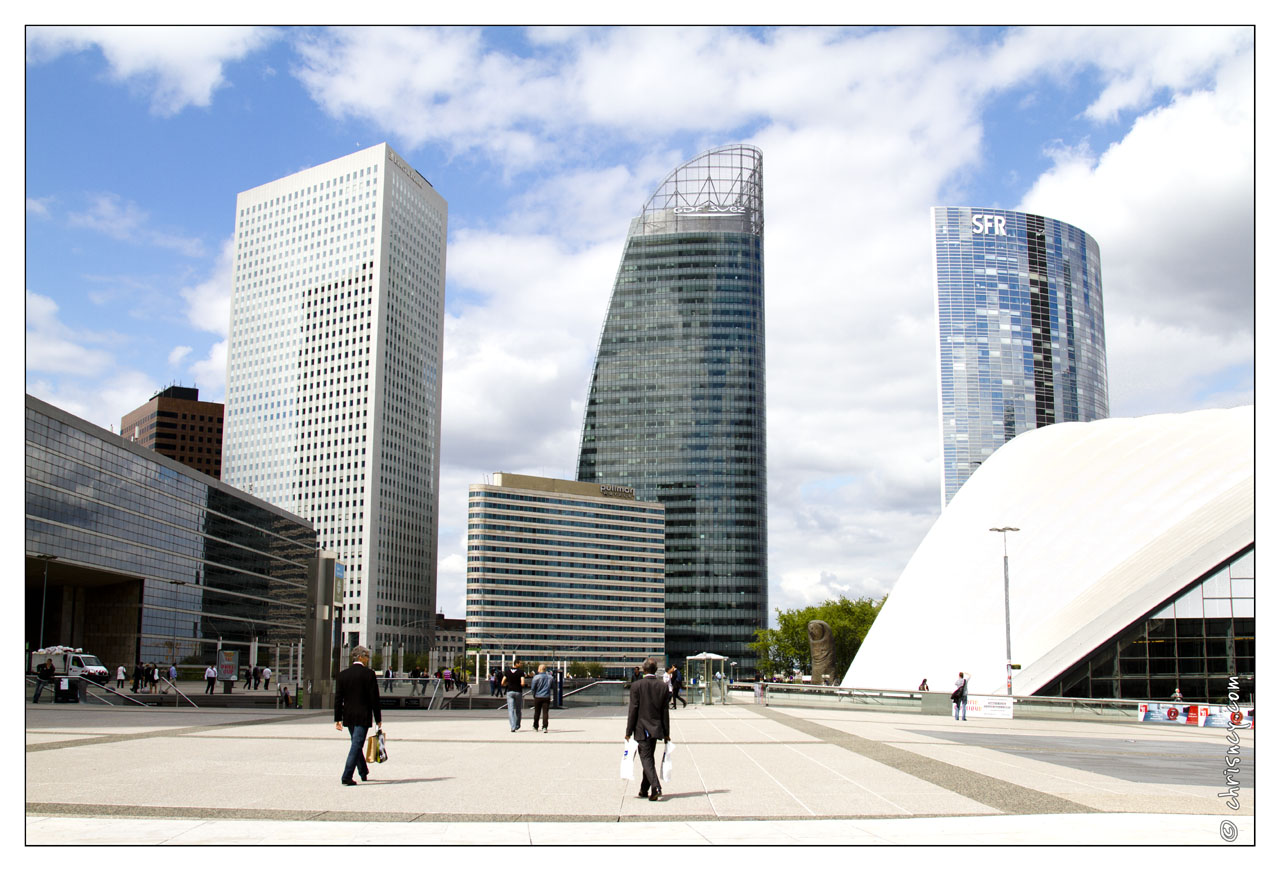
<point x="1174" y="226"/>
<point x="39" y="207"/>
<point x="209" y="302"/>
<point x="177" y="355"/>
<point x="861" y="139"/>
<point x="210" y="374"/>
<point x="122" y="219"/>
<point x="52" y="347"/>
<point x="102" y="402"/>
<point x="175" y="67"/>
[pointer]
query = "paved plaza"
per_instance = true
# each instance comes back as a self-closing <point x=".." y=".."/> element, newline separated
<point x="743" y="774"/>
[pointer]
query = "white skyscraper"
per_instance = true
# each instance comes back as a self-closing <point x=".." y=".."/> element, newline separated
<point x="333" y="375"/>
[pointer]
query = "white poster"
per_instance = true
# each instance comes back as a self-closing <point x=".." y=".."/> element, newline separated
<point x="995" y="707"/>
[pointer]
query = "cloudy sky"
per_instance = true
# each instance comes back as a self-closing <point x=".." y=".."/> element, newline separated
<point x="545" y="142"/>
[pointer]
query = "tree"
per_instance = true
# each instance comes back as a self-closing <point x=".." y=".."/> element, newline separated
<point x="786" y="648"/>
<point x="589" y="669"/>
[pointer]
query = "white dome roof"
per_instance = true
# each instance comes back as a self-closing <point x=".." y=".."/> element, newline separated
<point x="1115" y="516"/>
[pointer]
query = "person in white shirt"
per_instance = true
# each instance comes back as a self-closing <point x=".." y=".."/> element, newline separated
<point x="266" y="678"/>
<point x="210" y="675"/>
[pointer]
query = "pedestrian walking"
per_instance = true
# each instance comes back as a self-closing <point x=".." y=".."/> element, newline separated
<point x="266" y="678"/>
<point x="513" y="683"/>
<point x="357" y="706"/>
<point x="257" y="676"/>
<point x="137" y="677"/>
<point x="210" y="677"/>
<point x="494" y="681"/>
<point x="649" y="719"/>
<point x="154" y="672"/>
<point x="44" y="676"/>
<point x="120" y="673"/>
<point x="961" y="696"/>
<point x="541" y="689"/>
<point x="248" y="677"/>
<point x="677" y="684"/>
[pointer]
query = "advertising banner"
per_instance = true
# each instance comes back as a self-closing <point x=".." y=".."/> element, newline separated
<point x="228" y="664"/>
<point x="994" y="707"/>
<point x="1183" y="714"/>
<point x="1222" y="717"/>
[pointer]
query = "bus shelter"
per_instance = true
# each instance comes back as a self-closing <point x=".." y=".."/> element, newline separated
<point x="708" y="689"/>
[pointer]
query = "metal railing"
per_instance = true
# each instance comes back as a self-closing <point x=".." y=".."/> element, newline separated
<point x="914" y="701"/>
<point x="83" y="691"/>
<point x="599" y="692"/>
<point x="179" y="694"/>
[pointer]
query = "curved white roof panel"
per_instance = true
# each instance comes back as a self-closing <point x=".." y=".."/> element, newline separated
<point x="1115" y="516"/>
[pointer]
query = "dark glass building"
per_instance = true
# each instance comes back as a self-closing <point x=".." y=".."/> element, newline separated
<point x="1195" y="643"/>
<point x="136" y="557"/>
<point x="677" y="401"/>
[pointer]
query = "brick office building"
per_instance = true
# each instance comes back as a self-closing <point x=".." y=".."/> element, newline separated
<point x="177" y="424"/>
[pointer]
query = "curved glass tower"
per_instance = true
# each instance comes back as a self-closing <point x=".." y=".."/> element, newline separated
<point x="1021" y="340"/>
<point x="677" y="405"/>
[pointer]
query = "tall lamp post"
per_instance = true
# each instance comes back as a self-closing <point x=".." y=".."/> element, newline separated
<point x="1008" y="640"/>
<point x="174" y="651"/>
<point x="44" y="594"/>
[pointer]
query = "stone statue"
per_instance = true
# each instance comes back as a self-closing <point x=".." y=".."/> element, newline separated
<point x="822" y="652"/>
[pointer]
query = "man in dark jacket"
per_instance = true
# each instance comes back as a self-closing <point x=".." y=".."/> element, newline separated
<point x="44" y="676"/>
<point x="650" y="719"/>
<point x="356" y="705"/>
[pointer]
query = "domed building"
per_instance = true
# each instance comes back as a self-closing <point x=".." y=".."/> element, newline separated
<point x="1131" y="570"/>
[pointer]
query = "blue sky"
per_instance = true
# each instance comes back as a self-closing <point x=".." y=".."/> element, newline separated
<point x="545" y="142"/>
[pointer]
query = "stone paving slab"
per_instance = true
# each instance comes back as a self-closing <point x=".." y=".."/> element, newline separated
<point x="742" y="770"/>
<point x="1038" y="830"/>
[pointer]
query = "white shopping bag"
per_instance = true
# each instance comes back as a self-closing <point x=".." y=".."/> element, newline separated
<point x="627" y="768"/>
<point x="667" y="749"/>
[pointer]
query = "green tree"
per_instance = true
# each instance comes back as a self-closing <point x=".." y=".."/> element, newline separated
<point x="786" y="648"/>
<point x="592" y="670"/>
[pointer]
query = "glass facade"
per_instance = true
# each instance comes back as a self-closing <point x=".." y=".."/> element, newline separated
<point x="1020" y="331"/>
<point x="158" y="560"/>
<point x="558" y="571"/>
<point x="676" y="407"/>
<point x="1195" y="642"/>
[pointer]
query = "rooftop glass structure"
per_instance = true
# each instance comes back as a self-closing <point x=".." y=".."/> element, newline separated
<point x="1020" y="333"/>
<point x="676" y="408"/>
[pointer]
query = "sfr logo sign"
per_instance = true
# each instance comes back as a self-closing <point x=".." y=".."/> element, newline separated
<point x="988" y="225"/>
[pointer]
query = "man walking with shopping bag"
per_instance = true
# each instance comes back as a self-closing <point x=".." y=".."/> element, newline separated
<point x="356" y="705"/>
<point x="649" y="718"/>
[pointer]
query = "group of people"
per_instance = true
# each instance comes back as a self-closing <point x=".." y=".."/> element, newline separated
<point x="146" y="677"/>
<point x="513" y="682"/>
<point x="257" y="676"/>
<point x="357" y="706"/>
<point x="959" y="696"/>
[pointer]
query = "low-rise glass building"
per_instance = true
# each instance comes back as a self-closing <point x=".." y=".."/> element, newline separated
<point x="136" y="557"/>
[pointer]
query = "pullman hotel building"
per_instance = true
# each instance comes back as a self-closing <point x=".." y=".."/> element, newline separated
<point x="563" y="570"/>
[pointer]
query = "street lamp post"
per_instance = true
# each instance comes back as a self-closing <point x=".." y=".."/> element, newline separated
<point x="44" y="594"/>
<point x="1008" y="639"/>
<point x="174" y="651"/>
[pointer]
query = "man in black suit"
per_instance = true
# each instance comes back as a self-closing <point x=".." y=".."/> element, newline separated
<point x="356" y="705"/>
<point x="650" y="719"/>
